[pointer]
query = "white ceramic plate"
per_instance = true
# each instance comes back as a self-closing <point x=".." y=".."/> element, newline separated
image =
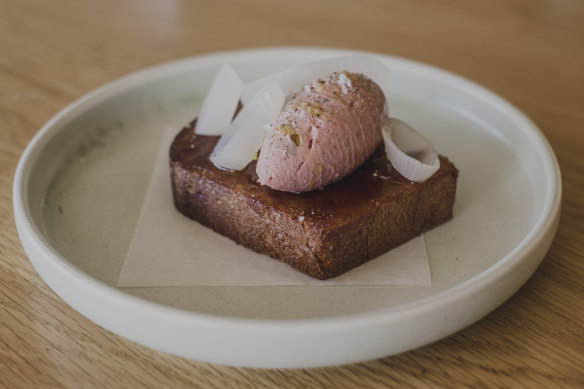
<point x="81" y="181"/>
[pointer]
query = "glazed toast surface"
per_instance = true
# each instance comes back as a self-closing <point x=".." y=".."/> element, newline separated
<point x="322" y="233"/>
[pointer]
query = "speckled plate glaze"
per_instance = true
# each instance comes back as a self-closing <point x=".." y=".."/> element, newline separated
<point x="80" y="184"/>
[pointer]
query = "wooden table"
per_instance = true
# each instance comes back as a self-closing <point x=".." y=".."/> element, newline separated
<point x="529" y="52"/>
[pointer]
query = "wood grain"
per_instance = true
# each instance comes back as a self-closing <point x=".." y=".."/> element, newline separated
<point x="530" y="52"/>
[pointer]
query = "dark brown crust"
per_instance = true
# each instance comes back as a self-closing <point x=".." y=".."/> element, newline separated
<point x="322" y="233"/>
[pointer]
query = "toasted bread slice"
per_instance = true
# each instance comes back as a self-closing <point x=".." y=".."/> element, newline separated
<point x="322" y="233"/>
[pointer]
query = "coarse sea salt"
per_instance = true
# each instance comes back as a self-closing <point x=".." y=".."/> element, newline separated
<point x="344" y="82"/>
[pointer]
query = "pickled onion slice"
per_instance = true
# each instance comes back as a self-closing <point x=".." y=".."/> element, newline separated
<point x="410" y="153"/>
<point x="244" y="136"/>
<point x="220" y="103"/>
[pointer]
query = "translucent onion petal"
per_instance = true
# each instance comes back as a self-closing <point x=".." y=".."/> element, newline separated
<point x="293" y="79"/>
<point x="410" y="153"/>
<point x="244" y="137"/>
<point x="220" y="103"/>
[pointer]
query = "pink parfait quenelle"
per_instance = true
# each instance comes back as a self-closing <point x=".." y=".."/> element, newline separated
<point x="324" y="133"/>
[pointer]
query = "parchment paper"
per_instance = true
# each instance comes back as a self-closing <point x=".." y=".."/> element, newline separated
<point x="168" y="249"/>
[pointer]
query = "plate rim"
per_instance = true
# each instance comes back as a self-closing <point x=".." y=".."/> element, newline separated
<point x="32" y="238"/>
